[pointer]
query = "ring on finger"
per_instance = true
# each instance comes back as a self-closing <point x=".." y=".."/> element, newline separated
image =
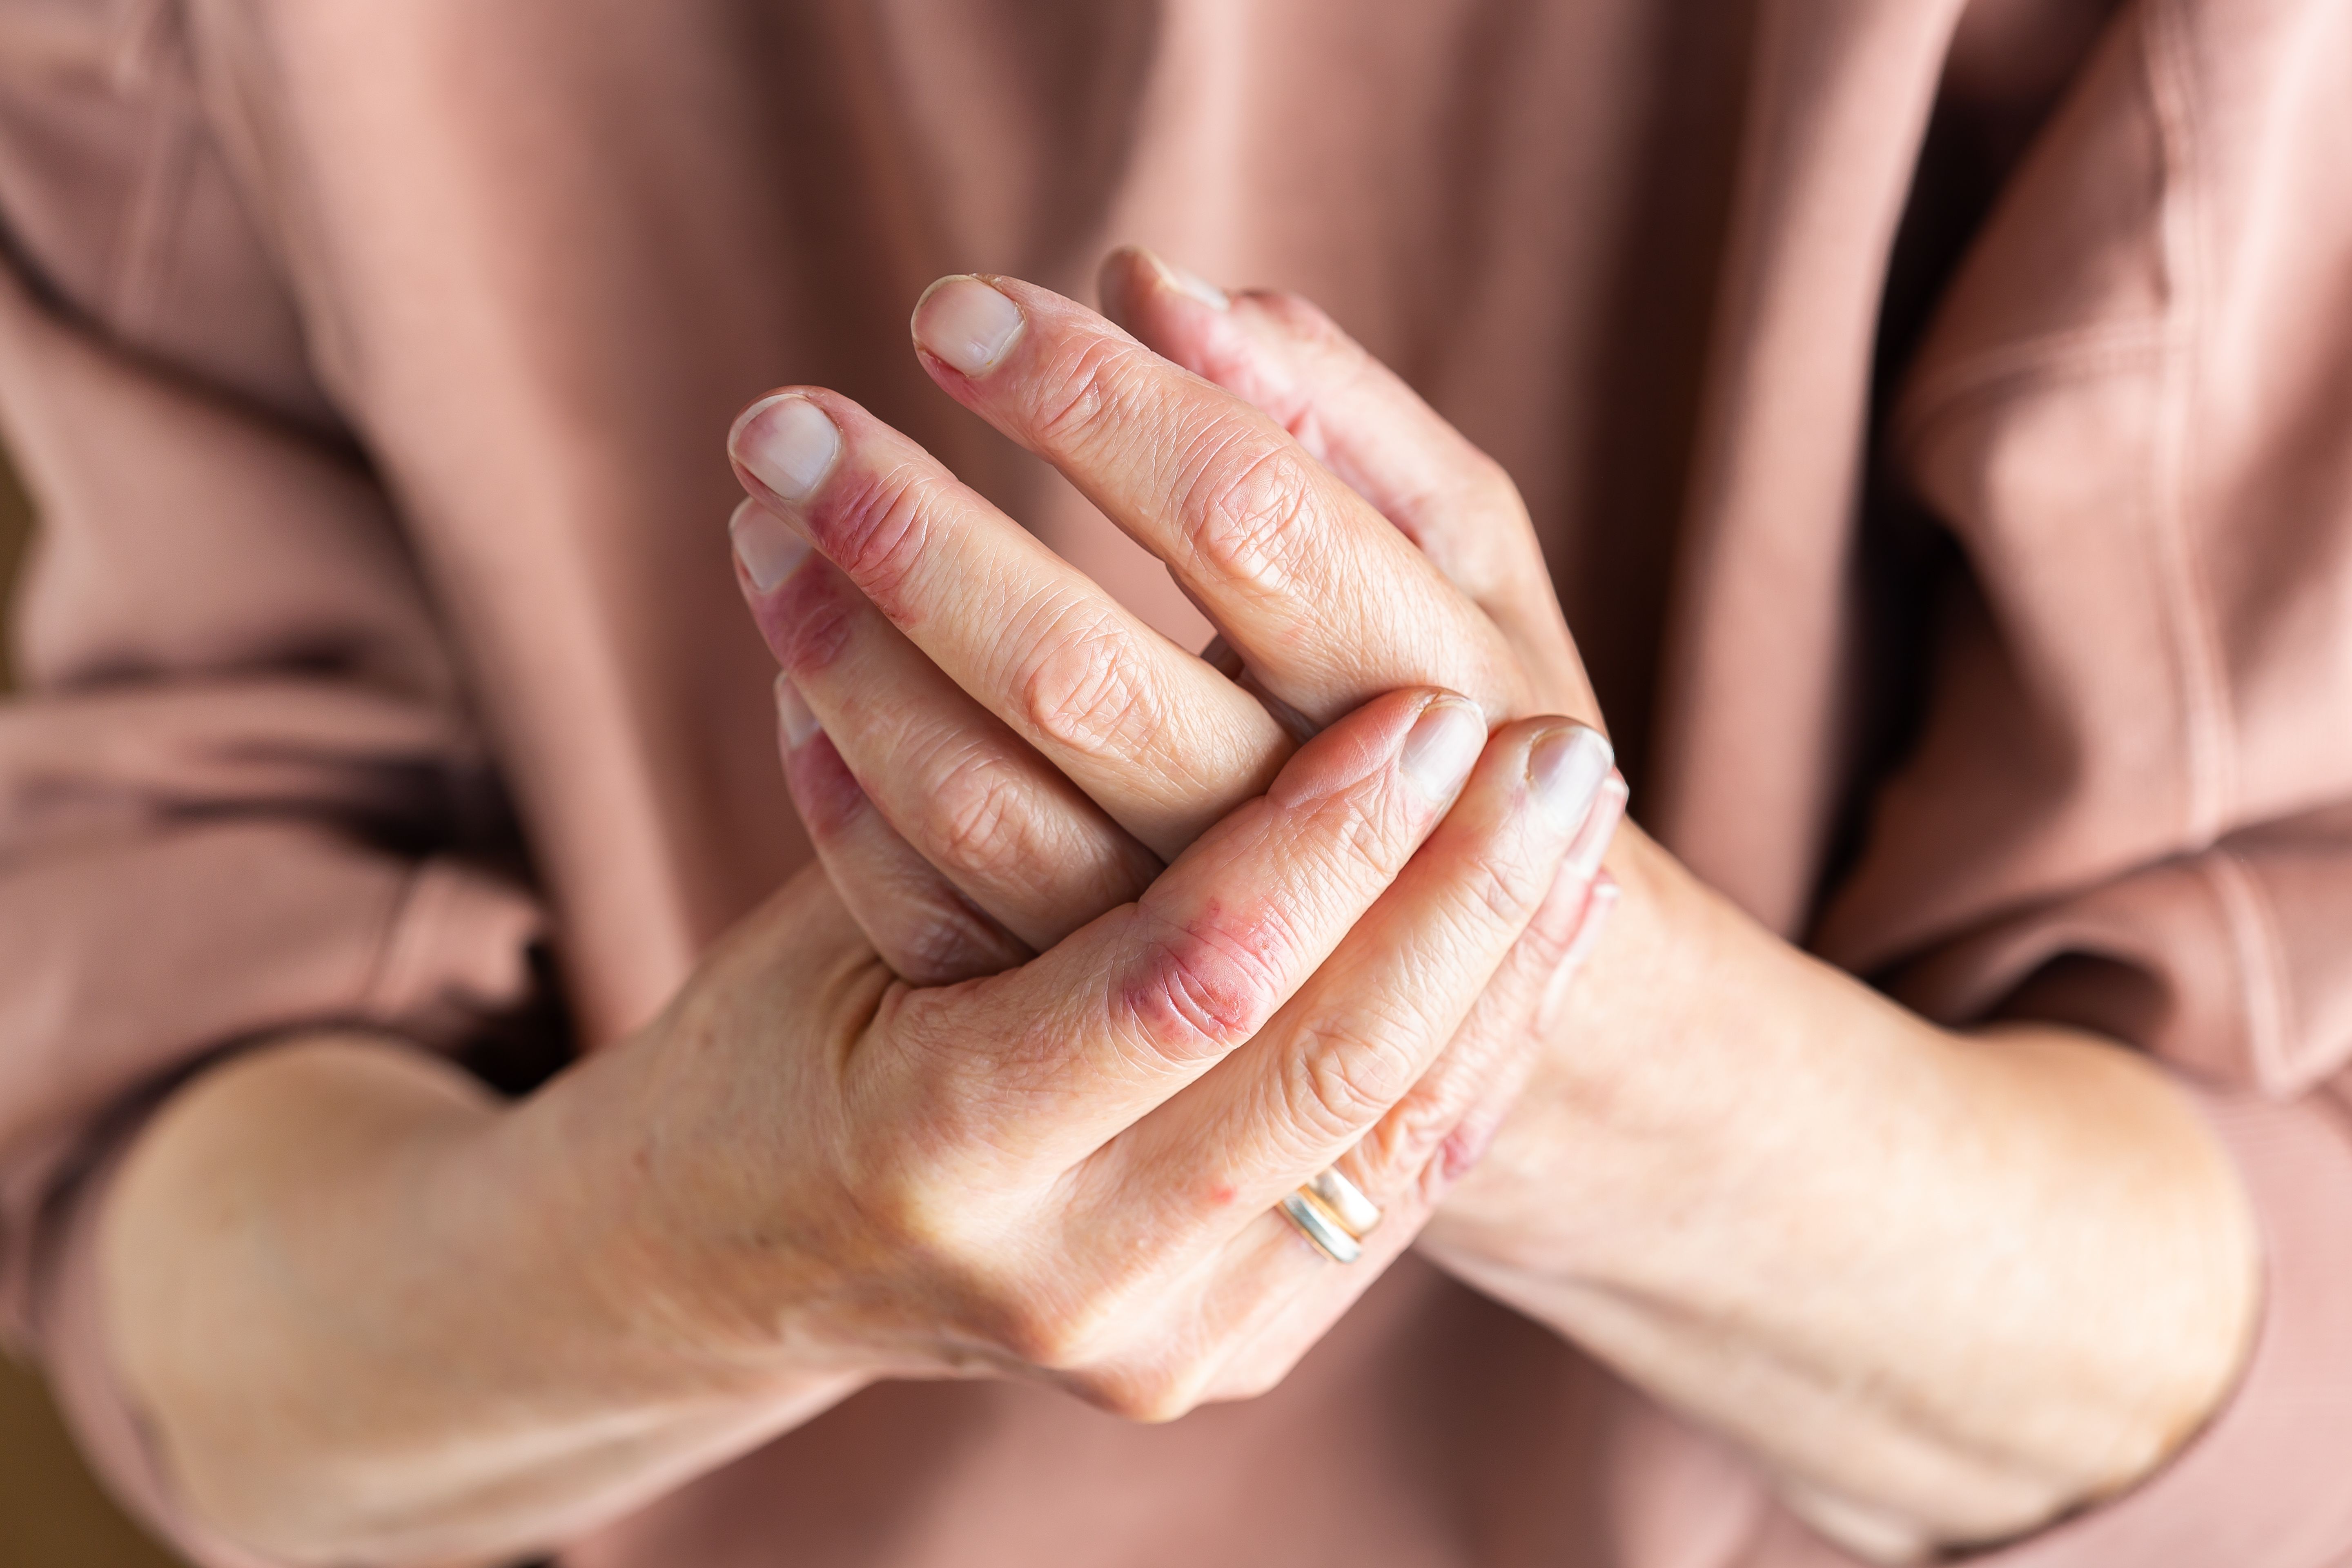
<point x="1332" y="1213"/>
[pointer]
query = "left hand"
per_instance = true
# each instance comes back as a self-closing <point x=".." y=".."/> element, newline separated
<point x="1683" y="1191"/>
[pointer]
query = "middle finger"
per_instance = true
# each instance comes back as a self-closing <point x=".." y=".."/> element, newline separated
<point x="1265" y="539"/>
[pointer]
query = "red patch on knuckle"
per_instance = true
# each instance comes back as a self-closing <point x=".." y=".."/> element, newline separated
<point x="1195" y="994"/>
<point x="873" y="527"/>
<point x="828" y="795"/>
<point x="808" y="622"/>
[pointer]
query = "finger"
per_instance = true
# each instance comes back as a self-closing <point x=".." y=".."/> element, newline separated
<point x="1264" y="538"/>
<point x="1354" y="1041"/>
<point x="1440" y="1130"/>
<point x="1273" y="1296"/>
<point x="1358" y="416"/>
<point x="1030" y="638"/>
<point x="1061" y="1055"/>
<point x="967" y="793"/>
<point x="920" y="925"/>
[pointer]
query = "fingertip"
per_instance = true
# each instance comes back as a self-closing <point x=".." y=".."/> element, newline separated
<point x="966" y="322"/>
<point x="787" y="442"/>
<point x="1115" y="284"/>
<point x="1600" y="829"/>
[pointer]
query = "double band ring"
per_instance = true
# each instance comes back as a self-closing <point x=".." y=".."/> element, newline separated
<point x="1333" y="1213"/>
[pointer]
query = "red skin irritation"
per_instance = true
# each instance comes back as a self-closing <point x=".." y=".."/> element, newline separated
<point x="1195" y="988"/>
<point x="828" y="795"/>
<point x="873" y="530"/>
<point x="808" y="620"/>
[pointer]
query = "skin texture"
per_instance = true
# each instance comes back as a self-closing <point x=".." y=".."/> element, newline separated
<point x="1757" y="1188"/>
<point x="371" y="1316"/>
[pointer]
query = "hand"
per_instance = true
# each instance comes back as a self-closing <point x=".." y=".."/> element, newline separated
<point x="1026" y="760"/>
<point x="1066" y="1170"/>
<point x="1699" y="1097"/>
<point x="370" y="1315"/>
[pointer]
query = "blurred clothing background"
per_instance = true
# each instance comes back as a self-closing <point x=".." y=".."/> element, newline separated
<point x="52" y="1515"/>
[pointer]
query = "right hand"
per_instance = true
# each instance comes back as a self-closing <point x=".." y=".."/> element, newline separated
<point x="1067" y="1170"/>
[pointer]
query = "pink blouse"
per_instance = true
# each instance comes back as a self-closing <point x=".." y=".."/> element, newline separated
<point x="370" y="366"/>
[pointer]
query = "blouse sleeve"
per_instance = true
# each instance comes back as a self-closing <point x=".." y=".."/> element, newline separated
<point x="2131" y="804"/>
<point x="240" y="792"/>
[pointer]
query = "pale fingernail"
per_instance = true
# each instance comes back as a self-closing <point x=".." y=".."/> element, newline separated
<point x="1599" y="827"/>
<point x="767" y="549"/>
<point x="967" y="323"/>
<point x="1567" y="767"/>
<point x="788" y="443"/>
<point x="792" y="715"/>
<point x="1190" y="283"/>
<point x="1444" y="742"/>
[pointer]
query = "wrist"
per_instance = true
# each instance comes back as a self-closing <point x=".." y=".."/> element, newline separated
<point x="653" y="1293"/>
<point x="1943" y="1287"/>
<point x="1640" y="1084"/>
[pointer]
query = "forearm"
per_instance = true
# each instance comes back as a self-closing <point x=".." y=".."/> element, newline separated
<point x="1943" y="1287"/>
<point x="368" y="1313"/>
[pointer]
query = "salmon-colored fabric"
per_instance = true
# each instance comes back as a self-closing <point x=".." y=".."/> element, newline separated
<point x="1978" y="610"/>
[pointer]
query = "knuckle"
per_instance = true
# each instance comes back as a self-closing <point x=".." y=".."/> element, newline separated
<point x="905" y="1207"/>
<point x="974" y="819"/>
<point x="1244" y="506"/>
<point x="1082" y="392"/>
<point x="1191" y="997"/>
<point x="1147" y="1395"/>
<point x="1488" y="486"/>
<point x="1053" y="1333"/>
<point x="947" y="943"/>
<point x="874" y="529"/>
<point x="1361" y="824"/>
<point x="1081" y="690"/>
<point x="1507" y="889"/>
<point x="813" y="616"/>
<point x="1342" y="1077"/>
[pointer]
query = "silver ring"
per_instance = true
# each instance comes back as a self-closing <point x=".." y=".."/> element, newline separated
<point x="1357" y="1214"/>
<point x="1333" y="1214"/>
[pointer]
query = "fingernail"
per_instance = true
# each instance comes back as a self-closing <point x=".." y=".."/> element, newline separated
<point x="788" y="445"/>
<point x="967" y="323"/>
<point x="1567" y="767"/>
<point x="766" y="547"/>
<point x="1444" y="742"/>
<point x="1599" y="827"/>
<point x="1190" y="283"/>
<point x="792" y="715"/>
